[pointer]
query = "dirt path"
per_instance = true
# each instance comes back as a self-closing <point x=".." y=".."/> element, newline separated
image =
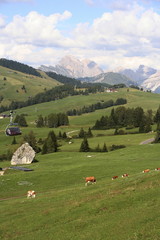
<point x="147" y="141"/>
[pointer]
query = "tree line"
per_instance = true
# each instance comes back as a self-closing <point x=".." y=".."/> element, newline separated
<point x="14" y="65"/>
<point x="53" y="94"/>
<point x="127" y="117"/>
<point x="53" y="120"/>
<point x="96" y="106"/>
<point x="84" y="147"/>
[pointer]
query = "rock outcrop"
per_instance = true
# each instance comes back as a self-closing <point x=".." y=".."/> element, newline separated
<point x="23" y="155"/>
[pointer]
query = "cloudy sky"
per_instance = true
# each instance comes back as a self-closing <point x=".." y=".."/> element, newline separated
<point x="113" y="33"/>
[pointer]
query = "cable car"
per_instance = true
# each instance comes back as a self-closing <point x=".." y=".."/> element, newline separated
<point x="12" y="129"/>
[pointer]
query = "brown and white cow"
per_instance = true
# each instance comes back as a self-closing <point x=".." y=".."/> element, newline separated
<point x="31" y="194"/>
<point x="146" y="170"/>
<point x="157" y="169"/>
<point x="114" y="177"/>
<point x="90" y="180"/>
<point x="125" y="175"/>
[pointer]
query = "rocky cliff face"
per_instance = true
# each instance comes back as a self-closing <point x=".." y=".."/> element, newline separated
<point x="87" y="70"/>
<point x="152" y="83"/>
<point x="72" y="67"/>
<point x="139" y="75"/>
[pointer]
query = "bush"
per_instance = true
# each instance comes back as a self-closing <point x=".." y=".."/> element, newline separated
<point x="115" y="147"/>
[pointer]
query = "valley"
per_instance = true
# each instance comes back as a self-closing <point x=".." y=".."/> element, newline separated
<point x="64" y="208"/>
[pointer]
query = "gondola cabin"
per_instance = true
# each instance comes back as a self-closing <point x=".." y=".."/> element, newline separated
<point x="13" y="131"/>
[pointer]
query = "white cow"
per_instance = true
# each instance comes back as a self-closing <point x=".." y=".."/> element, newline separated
<point x="31" y="194"/>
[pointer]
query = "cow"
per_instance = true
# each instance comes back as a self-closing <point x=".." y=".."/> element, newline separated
<point x="125" y="175"/>
<point x="1" y="173"/>
<point x="157" y="169"/>
<point x="146" y="170"/>
<point x="114" y="177"/>
<point x="90" y="180"/>
<point x="31" y="194"/>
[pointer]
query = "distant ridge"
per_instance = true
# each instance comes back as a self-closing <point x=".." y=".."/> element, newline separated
<point x="110" y="78"/>
<point x="19" y="67"/>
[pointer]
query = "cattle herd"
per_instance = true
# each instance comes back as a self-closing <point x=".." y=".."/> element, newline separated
<point x="89" y="180"/>
<point x="92" y="180"/>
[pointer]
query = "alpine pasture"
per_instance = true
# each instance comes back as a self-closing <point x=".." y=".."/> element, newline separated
<point x="64" y="208"/>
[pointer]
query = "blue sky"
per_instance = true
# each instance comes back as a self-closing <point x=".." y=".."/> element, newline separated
<point x="117" y="33"/>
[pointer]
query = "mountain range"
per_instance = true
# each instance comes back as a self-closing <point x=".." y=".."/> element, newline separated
<point x="87" y="70"/>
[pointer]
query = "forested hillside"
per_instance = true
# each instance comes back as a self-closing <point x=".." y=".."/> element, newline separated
<point x="19" y="67"/>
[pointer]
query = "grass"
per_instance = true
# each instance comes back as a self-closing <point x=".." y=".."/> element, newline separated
<point x="11" y="88"/>
<point x="64" y="209"/>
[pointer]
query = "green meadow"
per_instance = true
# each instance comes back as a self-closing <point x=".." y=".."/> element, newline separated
<point x="11" y="83"/>
<point x="64" y="208"/>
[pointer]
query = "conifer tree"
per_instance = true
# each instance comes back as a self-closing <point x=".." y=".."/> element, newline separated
<point x="31" y="139"/>
<point x="157" y="115"/>
<point x="64" y="135"/>
<point x="60" y="134"/>
<point x="147" y="128"/>
<point x="20" y="119"/>
<point x="51" y="146"/>
<point x="44" y="148"/>
<point x="98" y="148"/>
<point x="14" y="141"/>
<point x="82" y="133"/>
<point x="116" y="131"/>
<point x="104" y="149"/>
<point x="89" y="133"/>
<point x="157" y="137"/>
<point x="40" y="121"/>
<point x="84" y="146"/>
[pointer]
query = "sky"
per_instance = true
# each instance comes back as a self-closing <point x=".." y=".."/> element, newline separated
<point x="113" y="33"/>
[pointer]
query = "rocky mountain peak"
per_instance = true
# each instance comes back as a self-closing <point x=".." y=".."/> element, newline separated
<point x="72" y="67"/>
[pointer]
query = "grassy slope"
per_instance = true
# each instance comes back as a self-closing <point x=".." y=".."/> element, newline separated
<point x="15" y="81"/>
<point x="64" y="208"/>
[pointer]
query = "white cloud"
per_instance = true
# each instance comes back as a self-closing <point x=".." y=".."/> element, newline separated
<point x="117" y="38"/>
<point x="2" y="21"/>
<point x="36" y="29"/>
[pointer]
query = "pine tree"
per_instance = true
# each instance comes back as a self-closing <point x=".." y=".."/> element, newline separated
<point x="157" y="137"/>
<point x="82" y="133"/>
<point x="98" y="148"/>
<point x="60" y="134"/>
<point x="89" y="133"/>
<point x="52" y="120"/>
<point x="44" y="148"/>
<point x="116" y="131"/>
<point x="20" y="119"/>
<point x="31" y="139"/>
<point x="52" y="145"/>
<point x="40" y="121"/>
<point x="14" y="141"/>
<point x="104" y="149"/>
<point x="84" y="146"/>
<point x="157" y="115"/>
<point x="147" y="128"/>
<point x="64" y="135"/>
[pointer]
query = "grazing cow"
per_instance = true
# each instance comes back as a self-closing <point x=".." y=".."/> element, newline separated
<point x="31" y="194"/>
<point x="1" y="173"/>
<point x="125" y="175"/>
<point x="157" y="169"/>
<point x="114" y="177"/>
<point x="90" y="180"/>
<point x="146" y="170"/>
